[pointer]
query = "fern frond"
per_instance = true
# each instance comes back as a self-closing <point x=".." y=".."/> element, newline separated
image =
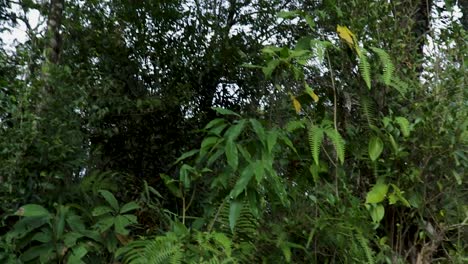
<point x="364" y="67"/>
<point x="338" y="142"/>
<point x="388" y="67"/>
<point x="293" y="125"/>
<point x="399" y="85"/>
<point x="315" y="141"/>
<point x="368" y="111"/>
<point x="364" y="243"/>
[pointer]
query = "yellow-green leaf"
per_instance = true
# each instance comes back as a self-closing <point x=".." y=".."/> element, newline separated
<point x="377" y="193"/>
<point x="346" y="35"/>
<point x="296" y="104"/>
<point x="311" y="93"/>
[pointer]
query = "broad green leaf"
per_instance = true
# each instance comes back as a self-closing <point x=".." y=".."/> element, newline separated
<point x="377" y="213"/>
<point x="122" y="221"/>
<point x="77" y="254"/>
<point x="375" y="148"/>
<point x="234" y="213"/>
<point x="377" y="193"/>
<point x="271" y="66"/>
<point x="37" y="251"/>
<point x="70" y="238"/>
<point x="100" y="210"/>
<point x="44" y="237"/>
<point x="32" y="210"/>
<point x="232" y="154"/>
<point x="26" y="225"/>
<point x="215" y="122"/>
<point x="104" y="224"/>
<point x="186" y="155"/>
<point x="234" y="131"/>
<point x="208" y="142"/>
<point x="404" y="125"/>
<point x="288" y="14"/>
<point x="244" y="179"/>
<point x="223" y="111"/>
<point x="60" y="221"/>
<point x="272" y="136"/>
<point x="129" y="207"/>
<point x="258" y="128"/>
<point x="110" y="198"/>
<point x="259" y="171"/>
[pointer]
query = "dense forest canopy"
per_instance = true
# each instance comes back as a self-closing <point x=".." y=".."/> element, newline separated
<point x="228" y="131"/>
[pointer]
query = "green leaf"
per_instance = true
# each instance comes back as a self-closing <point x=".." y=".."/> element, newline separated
<point x="223" y="111"/>
<point x="32" y="210"/>
<point x="70" y="238"/>
<point x="186" y="155"/>
<point x="258" y="128"/>
<point x="104" y="224"/>
<point x="377" y="193"/>
<point x="37" y="251"/>
<point x="110" y="198"/>
<point x="234" y="213"/>
<point x="271" y="66"/>
<point x="234" y="131"/>
<point x="44" y="237"/>
<point x="77" y="254"/>
<point x="397" y="196"/>
<point x="288" y="14"/>
<point x="404" y="125"/>
<point x="377" y="213"/>
<point x="215" y="122"/>
<point x="172" y="185"/>
<point x="100" y="210"/>
<point x="232" y="154"/>
<point x="122" y="221"/>
<point x="375" y="148"/>
<point x="259" y="171"/>
<point x="129" y="207"/>
<point x="241" y="184"/>
<point x="272" y="136"/>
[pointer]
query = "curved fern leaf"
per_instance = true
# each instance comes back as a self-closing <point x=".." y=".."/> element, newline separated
<point x="388" y="67"/>
<point x="368" y="111"/>
<point x="364" y="67"/>
<point x="399" y="85"/>
<point x="315" y="141"/>
<point x="364" y="243"/>
<point x="338" y="142"/>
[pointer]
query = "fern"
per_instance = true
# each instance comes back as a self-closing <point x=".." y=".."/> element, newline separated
<point x="399" y="85"/>
<point x="364" y="67"/>
<point x="315" y="141"/>
<point x="388" y="67"/>
<point x="368" y="111"/>
<point x="364" y="243"/>
<point x="338" y="142"/>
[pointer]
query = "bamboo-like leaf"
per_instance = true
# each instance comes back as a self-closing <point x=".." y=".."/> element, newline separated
<point x="232" y="154"/>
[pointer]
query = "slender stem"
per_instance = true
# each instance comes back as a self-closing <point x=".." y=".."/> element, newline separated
<point x="210" y="227"/>
<point x="332" y="77"/>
